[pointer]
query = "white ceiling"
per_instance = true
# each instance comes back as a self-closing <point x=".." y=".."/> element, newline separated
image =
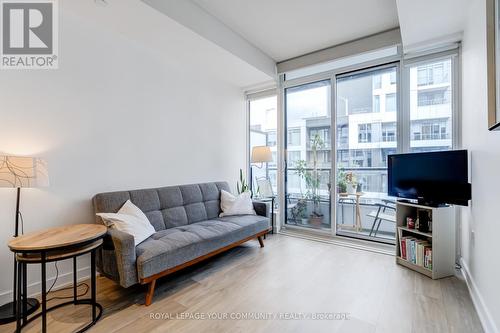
<point x="425" y="22"/>
<point x="172" y="43"/>
<point x="284" y="29"/>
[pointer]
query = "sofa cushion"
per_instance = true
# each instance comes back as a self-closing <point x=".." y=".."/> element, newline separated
<point x="168" y="207"/>
<point x="171" y="247"/>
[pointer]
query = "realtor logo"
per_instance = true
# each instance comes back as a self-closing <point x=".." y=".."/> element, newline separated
<point x="29" y="34"/>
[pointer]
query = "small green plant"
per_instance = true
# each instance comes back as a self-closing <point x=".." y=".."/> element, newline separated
<point x="242" y="185"/>
<point x="341" y="182"/>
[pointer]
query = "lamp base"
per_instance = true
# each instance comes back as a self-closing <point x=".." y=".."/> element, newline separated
<point x="7" y="313"/>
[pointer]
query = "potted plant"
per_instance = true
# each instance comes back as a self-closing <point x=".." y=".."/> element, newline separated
<point x="341" y="182"/>
<point x="312" y="178"/>
<point x="242" y="185"/>
<point x="352" y="184"/>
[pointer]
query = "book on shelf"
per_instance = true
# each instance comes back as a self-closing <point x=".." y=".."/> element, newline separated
<point x="417" y="251"/>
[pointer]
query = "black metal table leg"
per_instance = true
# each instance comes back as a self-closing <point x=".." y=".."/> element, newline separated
<point x="14" y="289"/>
<point x="25" y="292"/>
<point x="75" y="279"/>
<point x="93" y="283"/>
<point x="44" y="292"/>
<point x="18" y="297"/>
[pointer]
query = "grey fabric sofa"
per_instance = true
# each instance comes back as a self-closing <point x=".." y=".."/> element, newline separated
<point x="188" y="230"/>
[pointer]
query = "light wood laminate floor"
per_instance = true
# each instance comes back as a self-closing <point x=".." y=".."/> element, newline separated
<point x="289" y="276"/>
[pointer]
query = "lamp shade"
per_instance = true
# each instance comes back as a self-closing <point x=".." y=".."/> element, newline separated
<point x="21" y="171"/>
<point x="261" y="154"/>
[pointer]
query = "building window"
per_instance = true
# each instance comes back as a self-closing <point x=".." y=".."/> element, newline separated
<point x="433" y="97"/>
<point x="274" y="161"/>
<point x="390" y="103"/>
<point x="293" y="157"/>
<point x="323" y="133"/>
<point x="376" y="103"/>
<point x="271" y="138"/>
<point x="294" y="137"/>
<point x="361" y="158"/>
<point x="364" y="133"/>
<point x="342" y="158"/>
<point x="430" y="131"/>
<point x="386" y="152"/>
<point x="392" y="77"/>
<point x="343" y="135"/>
<point x="377" y="81"/>
<point x="434" y="73"/>
<point x="389" y="132"/>
<point x="431" y="107"/>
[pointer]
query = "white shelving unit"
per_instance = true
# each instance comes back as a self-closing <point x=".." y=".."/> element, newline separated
<point x="442" y="238"/>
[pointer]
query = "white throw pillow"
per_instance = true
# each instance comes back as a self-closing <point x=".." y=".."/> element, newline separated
<point x="129" y="219"/>
<point x="236" y="205"/>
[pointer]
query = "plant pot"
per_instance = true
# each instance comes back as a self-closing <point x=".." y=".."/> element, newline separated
<point x="305" y="221"/>
<point x="351" y="188"/>
<point x="316" y="220"/>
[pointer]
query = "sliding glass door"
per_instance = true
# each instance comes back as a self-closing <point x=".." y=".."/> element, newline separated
<point x="308" y="155"/>
<point x="339" y="129"/>
<point x="366" y="122"/>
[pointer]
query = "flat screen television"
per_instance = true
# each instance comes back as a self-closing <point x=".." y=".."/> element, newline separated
<point x="432" y="178"/>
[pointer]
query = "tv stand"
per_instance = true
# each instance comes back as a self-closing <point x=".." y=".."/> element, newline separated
<point x="441" y="238"/>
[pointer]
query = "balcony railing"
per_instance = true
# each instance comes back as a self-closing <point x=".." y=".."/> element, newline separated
<point x="315" y="212"/>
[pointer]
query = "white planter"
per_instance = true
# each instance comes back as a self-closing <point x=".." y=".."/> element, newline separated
<point x="351" y="188"/>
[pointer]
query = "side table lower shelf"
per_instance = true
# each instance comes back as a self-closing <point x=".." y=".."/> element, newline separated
<point x="23" y="258"/>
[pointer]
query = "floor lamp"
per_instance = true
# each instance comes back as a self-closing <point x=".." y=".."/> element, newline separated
<point x="18" y="172"/>
<point x="260" y="154"/>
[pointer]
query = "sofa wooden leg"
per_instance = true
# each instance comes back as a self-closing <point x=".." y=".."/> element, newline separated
<point x="150" y="293"/>
<point x="261" y="242"/>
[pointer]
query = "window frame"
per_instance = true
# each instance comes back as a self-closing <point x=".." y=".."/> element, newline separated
<point x="252" y="96"/>
<point x="403" y="127"/>
<point x="454" y="56"/>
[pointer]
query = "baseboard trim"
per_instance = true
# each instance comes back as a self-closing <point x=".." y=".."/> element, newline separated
<point x="482" y="310"/>
<point x="34" y="289"/>
<point x="357" y="244"/>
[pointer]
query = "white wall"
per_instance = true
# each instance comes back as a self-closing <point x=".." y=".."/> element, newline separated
<point x="480" y="221"/>
<point x="114" y="116"/>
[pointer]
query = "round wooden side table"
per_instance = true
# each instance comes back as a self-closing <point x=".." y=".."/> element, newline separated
<point x="50" y="245"/>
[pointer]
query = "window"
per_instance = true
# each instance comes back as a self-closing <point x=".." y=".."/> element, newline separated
<point x="431" y="107"/>
<point x="376" y="103"/>
<point x="392" y="77"/>
<point x="364" y="133"/>
<point x="377" y="81"/>
<point x="390" y="103"/>
<point x="263" y="124"/>
<point x="271" y="138"/>
<point x="388" y="132"/>
<point x="433" y="97"/>
<point x="386" y="152"/>
<point x="364" y="139"/>
<point x="342" y="158"/>
<point x="361" y="158"/>
<point x="343" y="135"/>
<point x="294" y="137"/>
<point x="430" y="130"/>
<point x="293" y="157"/>
<point x="323" y="158"/>
<point x="434" y="73"/>
<point x="274" y="162"/>
<point x="323" y="133"/>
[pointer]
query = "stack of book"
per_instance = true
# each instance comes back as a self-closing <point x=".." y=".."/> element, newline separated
<point x="416" y="251"/>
